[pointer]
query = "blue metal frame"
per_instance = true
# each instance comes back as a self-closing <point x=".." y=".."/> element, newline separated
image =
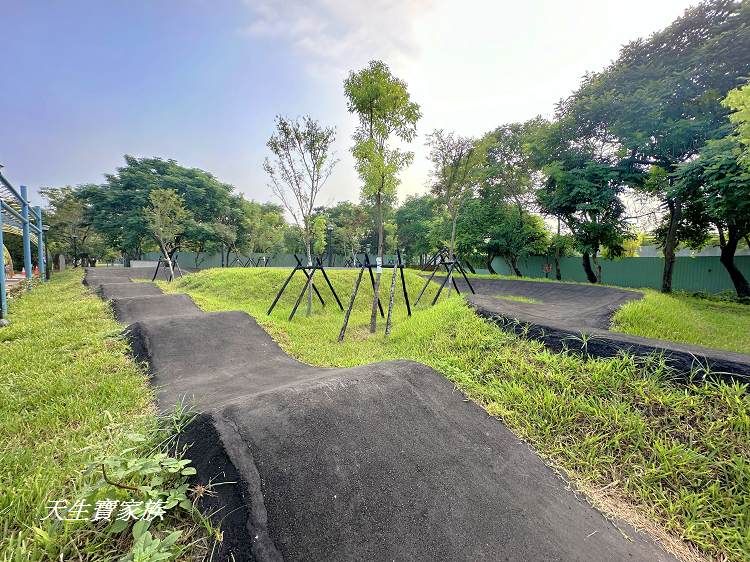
<point x="27" y="226"/>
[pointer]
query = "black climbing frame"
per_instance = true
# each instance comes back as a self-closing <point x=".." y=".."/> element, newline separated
<point x="175" y="267"/>
<point x="260" y="261"/>
<point x="368" y="265"/>
<point x="317" y="266"/>
<point x="442" y="259"/>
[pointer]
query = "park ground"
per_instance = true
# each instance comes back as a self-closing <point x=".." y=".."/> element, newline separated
<point x="71" y="398"/>
<point x="672" y="459"/>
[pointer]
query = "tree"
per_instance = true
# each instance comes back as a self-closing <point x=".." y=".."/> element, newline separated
<point x="302" y="163"/>
<point x="456" y="162"/>
<point x="659" y="102"/>
<point x="414" y="220"/>
<point x="384" y="108"/>
<point x="350" y="223"/>
<point x="166" y="217"/>
<point x="66" y="217"/>
<point x="587" y="200"/>
<point x="493" y="230"/>
<point x="116" y="208"/>
<point x="717" y="187"/>
<point x="508" y="184"/>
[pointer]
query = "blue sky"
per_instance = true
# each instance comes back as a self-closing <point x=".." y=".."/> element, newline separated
<point x="200" y="81"/>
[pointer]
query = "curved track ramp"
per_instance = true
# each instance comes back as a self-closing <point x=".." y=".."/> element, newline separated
<point x="381" y="462"/>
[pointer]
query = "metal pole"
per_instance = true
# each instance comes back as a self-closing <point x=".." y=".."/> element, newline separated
<point x="26" y="234"/>
<point x="351" y="304"/>
<point x="450" y="270"/>
<point x="390" y="300"/>
<point x="3" y="294"/>
<point x="40" y="243"/>
<point x="278" y="295"/>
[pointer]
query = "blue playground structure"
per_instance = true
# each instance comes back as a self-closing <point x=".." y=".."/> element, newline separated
<point x="16" y="216"/>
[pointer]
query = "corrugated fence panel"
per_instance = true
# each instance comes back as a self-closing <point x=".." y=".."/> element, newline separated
<point x="693" y="274"/>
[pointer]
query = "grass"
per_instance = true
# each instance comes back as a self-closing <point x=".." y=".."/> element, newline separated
<point x="517" y="298"/>
<point x="686" y="319"/>
<point x="673" y="459"/>
<point x="70" y="395"/>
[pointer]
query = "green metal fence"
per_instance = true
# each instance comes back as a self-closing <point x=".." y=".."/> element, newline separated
<point x="693" y="274"/>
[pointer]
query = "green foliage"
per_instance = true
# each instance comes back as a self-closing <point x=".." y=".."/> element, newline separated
<point x="115" y="209"/>
<point x="300" y="165"/>
<point x="738" y="100"/>
<point x="716" y="188"/>
<point x="686" y="319"/>
<point x="583" y="190"/>
<point x="166" y="217"/>
<point x="384" y="108"/>
<point x="678" y="453"/>
<point x="500" y="229"/>
<point x="70" y="232"/>
<point x="351" y="222"/>
<point x="146" y="548"/>
<point x="414" y="221"/>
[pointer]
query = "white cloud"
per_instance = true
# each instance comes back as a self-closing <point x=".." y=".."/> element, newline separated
<point x="472" y="65"/>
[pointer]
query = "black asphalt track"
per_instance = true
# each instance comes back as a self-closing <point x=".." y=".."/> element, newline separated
<point x="563" y="304"/>
<point x="568" y="316"/>
<point x="379" y="462"/>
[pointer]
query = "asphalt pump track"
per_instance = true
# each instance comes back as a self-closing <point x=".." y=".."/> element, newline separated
<point x="386" y="461"/>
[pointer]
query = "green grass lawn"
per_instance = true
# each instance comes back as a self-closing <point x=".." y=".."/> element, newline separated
<point x="672" y="459"/>
<point x="517" y="298"/>
<point x="69" y="395"/>
<point x="686" y="319"/>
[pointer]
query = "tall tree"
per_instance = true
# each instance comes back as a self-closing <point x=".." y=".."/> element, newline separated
<point x="716" y="186"/>
<point x="166" y="218"/>
<point x="384" y="108"/>
<point x="659" y="102"/>
<point x="456" y="162"/>
<point x="115" y="209"/>
<point x="583" y="187"/>
<point x="508" y="183"/>
<point x="70" y="231"/>
<point x="302" y="163"/>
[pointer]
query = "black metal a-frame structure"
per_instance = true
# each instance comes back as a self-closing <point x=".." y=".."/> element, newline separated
<point x="367" y="264"/>
<point x="317" y="265"/>
<point x="250" y="262"/>
<point x="175" y="267"/>
<point x="442" y="259"/>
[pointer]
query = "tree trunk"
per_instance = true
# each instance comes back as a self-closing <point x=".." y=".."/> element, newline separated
<point x="587" y="268"/>
<point x="670" y="244"/>
<point x="308" y="250"/>
<point x="490" y="259"/>
<point x="597" y="267"/>
<point x="727" y="260"/>
<point x="381" y="241"/>
<point x="513" y="260"/>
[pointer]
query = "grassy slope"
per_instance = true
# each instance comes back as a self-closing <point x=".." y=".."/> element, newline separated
<point x="686" y="319"/>
<point x="678" y="456"/>
<point x="69" y="393"/>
